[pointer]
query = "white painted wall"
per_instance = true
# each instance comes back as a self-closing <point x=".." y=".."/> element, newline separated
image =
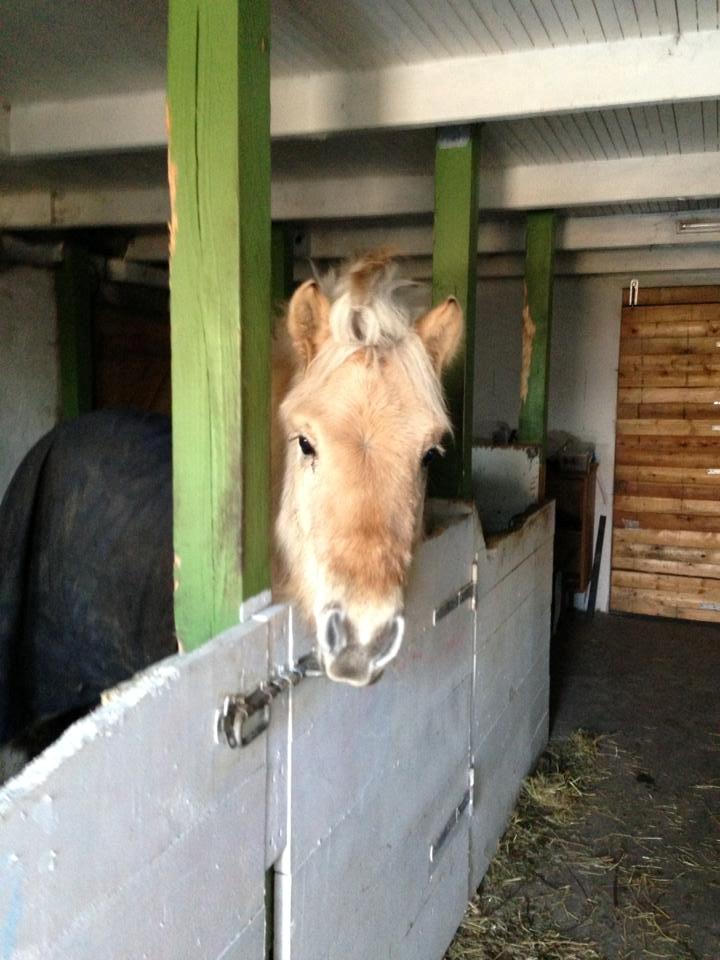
<point x="29" y="385"/>
<point x="583" y="371"/>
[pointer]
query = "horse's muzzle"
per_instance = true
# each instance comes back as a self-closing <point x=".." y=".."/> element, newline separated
<point x="346" y="659"/>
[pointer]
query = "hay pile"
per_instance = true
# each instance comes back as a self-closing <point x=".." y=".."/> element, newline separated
<point x="571" y="880"/>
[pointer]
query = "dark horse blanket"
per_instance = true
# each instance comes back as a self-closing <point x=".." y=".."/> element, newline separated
<point x="85" y="567"/>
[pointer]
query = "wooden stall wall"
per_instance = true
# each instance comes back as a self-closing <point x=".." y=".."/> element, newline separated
<point x="364" y="878"/>
<point x="131" y="350"/>
<point x="373" y="813"/>
<point x="512" y="677"/>
<point x="135" y="835"/>
<point x="666" y="538"/>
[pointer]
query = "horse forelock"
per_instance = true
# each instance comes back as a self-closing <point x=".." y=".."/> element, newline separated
<point x="365" y="308"/>
<point x="368" y="317"/>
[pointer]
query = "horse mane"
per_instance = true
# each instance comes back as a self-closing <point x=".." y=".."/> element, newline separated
<point x="365" y="307"/>
<point x="367" y="313"/>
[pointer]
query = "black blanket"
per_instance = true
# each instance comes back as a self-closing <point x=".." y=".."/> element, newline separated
<point x="85" y="566"/>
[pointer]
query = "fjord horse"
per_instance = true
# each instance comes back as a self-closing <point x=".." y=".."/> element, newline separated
<point x="86" y="524"/>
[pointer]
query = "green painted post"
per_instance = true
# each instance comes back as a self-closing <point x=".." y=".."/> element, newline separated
<point x="455" y="241"/>
<point x="537" y="316"/>
<point x="74" y="293"/>
<point x="282" y="257"/>
<point x="219" y="172"/>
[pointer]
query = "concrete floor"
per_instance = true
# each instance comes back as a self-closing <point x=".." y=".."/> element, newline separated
<point x="653" y="687"/>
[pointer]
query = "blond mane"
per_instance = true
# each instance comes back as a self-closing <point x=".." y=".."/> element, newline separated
<point x="367" y="313"/>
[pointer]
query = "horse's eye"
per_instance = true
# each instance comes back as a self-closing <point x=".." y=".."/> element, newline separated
<point x="432" y="454"/>
<point x="307" y="448"/>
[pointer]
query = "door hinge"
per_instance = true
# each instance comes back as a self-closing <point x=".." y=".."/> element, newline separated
<point x="452" y="821"/>
<point x="468" y="591"/>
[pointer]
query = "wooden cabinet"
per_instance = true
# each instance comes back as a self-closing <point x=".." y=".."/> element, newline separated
<point x="574" y="495"/>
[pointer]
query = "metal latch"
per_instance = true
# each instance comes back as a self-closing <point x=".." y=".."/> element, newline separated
<point x="467" y="591"/>
<point x="633" y="293"/>
<point x="243" y="717"/>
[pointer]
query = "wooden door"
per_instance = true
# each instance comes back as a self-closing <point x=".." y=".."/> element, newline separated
<point x="666" y="525"/>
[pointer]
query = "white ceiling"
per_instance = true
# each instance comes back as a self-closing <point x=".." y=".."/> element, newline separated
<point x="361" y="34"/>
<point x="58" y="58"/>
<point x="61" y="50"/>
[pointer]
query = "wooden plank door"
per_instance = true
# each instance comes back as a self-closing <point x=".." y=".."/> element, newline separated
<point x="666" y="526"/>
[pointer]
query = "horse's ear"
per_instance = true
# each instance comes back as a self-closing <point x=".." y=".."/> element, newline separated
<point x="441" y="331"/>
<point x="308" y="320"/>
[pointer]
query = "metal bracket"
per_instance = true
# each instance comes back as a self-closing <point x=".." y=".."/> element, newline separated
<point x="451" y="823"/>
<point x="243" y="717"/>
<point x="466" y="592"/>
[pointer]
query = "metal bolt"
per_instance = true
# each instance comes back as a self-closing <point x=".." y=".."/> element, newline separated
<point x="229" y="721"/>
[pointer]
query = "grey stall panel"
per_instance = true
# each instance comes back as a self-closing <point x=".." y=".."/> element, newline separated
<point x="136" y="835"/>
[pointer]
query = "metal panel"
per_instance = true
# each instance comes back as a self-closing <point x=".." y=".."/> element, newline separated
<point x="136" y="805"/>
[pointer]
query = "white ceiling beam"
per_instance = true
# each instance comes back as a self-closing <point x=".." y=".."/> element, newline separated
<point x="558" y="186"/>
<point x="327" y="241"/>
<point x="632" y="180"/>
<point x="630" y="263"/>
<point x="500" y="87"/>
<point x="41" y="209"/>
<point x="91" y="125"/>
<point x="464" y="89"/>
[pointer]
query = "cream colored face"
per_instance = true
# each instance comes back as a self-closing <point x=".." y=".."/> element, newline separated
<point x="361" y="425"/>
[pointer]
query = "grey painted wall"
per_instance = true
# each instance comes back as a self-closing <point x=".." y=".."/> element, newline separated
<point x="29" y="387"/>
<point x="583" y="372"/>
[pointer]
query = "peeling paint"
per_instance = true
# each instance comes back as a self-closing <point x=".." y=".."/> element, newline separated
<point x="529" y="329"/>
<point x="172" y="184"/>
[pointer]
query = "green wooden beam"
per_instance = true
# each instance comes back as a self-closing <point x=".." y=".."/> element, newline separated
<point x="537" y="316"/>
<point x="74" y="297"/>
<point x="282" y="269"/>
<point x="219" y="171"/>
<point x="455" y="274"/>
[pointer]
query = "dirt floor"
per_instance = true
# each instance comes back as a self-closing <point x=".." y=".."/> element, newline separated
<point x="614" y="850"/>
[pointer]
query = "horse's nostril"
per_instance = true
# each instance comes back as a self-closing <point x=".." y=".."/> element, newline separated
<point x="335" y="632"/>
<point x="345" y="658"/>
<point x="387" y="641"/>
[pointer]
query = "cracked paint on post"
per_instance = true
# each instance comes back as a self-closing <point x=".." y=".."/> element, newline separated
<point x="537" y="316"/>
<point x="528" y="339"/>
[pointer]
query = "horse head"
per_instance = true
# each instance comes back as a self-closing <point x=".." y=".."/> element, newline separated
<point x="362" y="418"/>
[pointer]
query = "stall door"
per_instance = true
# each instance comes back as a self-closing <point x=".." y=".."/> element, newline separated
<point x="666" y="536"/>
